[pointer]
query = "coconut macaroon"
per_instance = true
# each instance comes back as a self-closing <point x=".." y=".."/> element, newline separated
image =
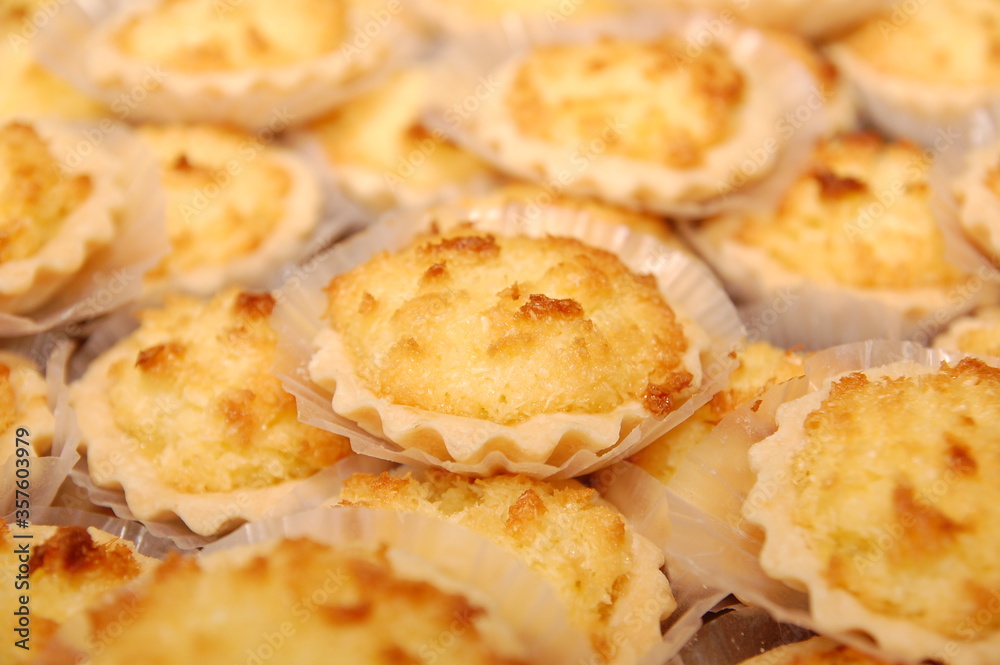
<point x="758" y="367"/>
<point x="649" y="122"/>
<point x="52" y="217"/>
<point x="380" y="153"/>
<point x="814" y="651"/>
<point x="608" y="575"/>
<point x="237" y="209"/>
<point x="184" y="415"/>
<point x="858" y="221"/>
<point x="27" y="87"/>
<point x="60" y="571"/>
<point x="23" y="406"/>
<point x="291" y="602"/>
<point x="468" y="342"/>
<point x="924" y="65"/>
<point x="254" y="63"/>
<point x="978" y="333"/>
<point x="877" y="496"/>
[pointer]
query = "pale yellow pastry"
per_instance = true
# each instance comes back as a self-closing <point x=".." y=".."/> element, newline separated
<point x="608" y="575"/>
<point x="260" y="64"/>
<point x="540" y="347"/>
<point x="877" y="496"/>
<point x="920" y="67"/>
<point x="184" y="415"/>
<point x="24" y="407"/>
<point x="858" y="220"/>
<point x="814" y="651"/>
<point x="28" y="88"/>
<point x="650" y="123"/>
<point x="758" y="367"/>
<point x="292" y="601"/>
<point x="978" y="333"/>
<point x="238" y="208"/>
<point x="53" y="217"/>
<point x="381" y="153"/>
<point x="57" y="573"/>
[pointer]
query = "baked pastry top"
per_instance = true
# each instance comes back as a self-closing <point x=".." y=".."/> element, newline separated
<point x="36" y="196"/>
<point x="69" y="569"/>
<point x="758" y="366"/>
<point x="860" y="216"/>
<point x="232" y="36"/>
<point x="53" y="216"/>
<point x="876" y="494"/>
<point x="191" y="393"/>
<point x="307" y="598"/>
<point x="607" y="574"/>
<point x="566" y="94"/>
<point x="505" y="328"/>
<point x="236" y="206"/>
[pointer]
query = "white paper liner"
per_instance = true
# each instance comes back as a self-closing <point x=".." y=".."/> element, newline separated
<point x="707" y="494"/>
<point x="521" y="598"/>
<point x="77" y="47"/>
<point x="641" y="499"/>
<point x="144" y="542"/>
<point x="468" y="106"/>
<point x="303" y="208"/>
<point x="690" y="290"/>
<point x="128" y="483"/>
<point x="111" y="276"/>
<point x="47" y="472"/>
<point x="904" y="108"/>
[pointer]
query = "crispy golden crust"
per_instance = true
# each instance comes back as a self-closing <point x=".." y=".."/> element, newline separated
<point x="191" y="391"/>
<point x="504" y="328"/>
<point x="944" y="42"/>
<point x="232" y="36"/>
<point x="35" y="195"/>
<point x="860" y="216"/>
<point x="306" y="597"/>
<point x="758" y="367"/>
<point x="68" y="570"/>
<point x="894" y="489"/>
<point x="565" y="94"/>
<point x="583" y="547"/>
